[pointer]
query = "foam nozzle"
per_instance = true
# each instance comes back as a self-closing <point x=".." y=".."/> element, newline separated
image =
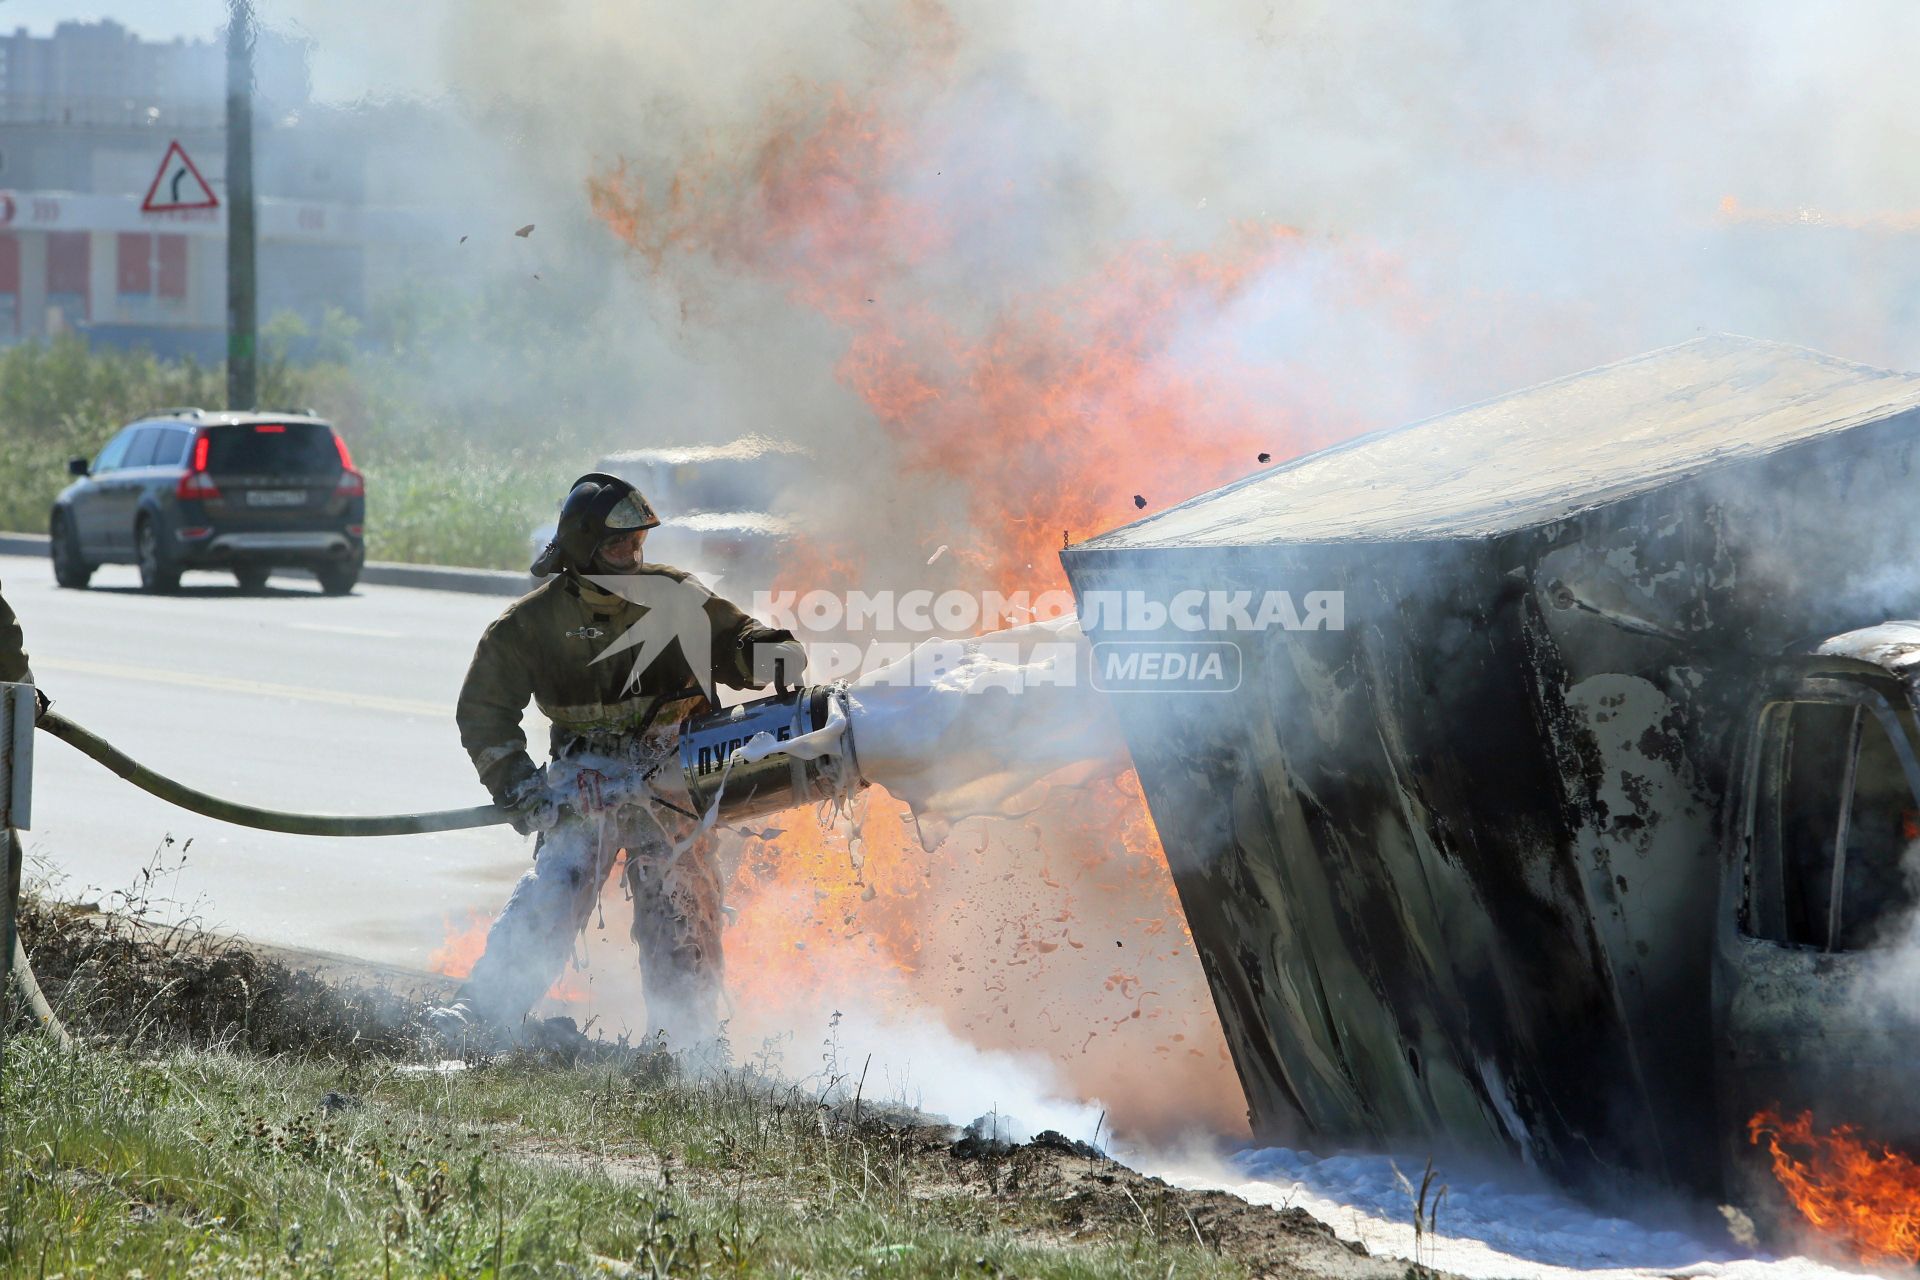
<point x="753" y="783"/>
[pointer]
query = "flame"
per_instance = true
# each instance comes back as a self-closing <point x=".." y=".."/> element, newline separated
<point x="1853" y="1189"/>
<point x="460" y="950"/>
<point x="1066" y="411"/>
<point x="1079" y="409"/>
<point x="1100" y="385"/>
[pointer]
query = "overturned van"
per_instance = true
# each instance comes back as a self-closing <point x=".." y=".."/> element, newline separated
<point x="1576" y="830"/>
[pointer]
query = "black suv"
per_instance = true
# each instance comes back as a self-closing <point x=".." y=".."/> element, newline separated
<point x="191" y="489"/>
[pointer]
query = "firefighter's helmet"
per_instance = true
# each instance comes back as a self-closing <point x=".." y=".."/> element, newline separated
<point x="598" y="507"/>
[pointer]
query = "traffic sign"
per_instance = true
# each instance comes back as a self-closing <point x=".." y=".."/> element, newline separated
<point x="178" y="185"/>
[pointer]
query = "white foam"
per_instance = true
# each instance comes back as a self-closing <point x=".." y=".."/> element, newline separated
<point x="914" y="1058"/>
<point x="1484" y="1228"/>
<point x="988" y="728"/>
<point x="976" y="728"/>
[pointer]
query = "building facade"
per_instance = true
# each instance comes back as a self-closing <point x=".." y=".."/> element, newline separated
<point x="87" y="118"/>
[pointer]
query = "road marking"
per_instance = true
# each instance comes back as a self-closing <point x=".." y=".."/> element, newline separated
<point x="257" y="688"/>
<point x="347" y="631"/>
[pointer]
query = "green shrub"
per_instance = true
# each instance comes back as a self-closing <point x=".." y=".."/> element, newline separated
<point x="447" y="483"/>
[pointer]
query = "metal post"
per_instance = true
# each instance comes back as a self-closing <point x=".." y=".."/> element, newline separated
<point x="242" y="317"/>
<point x="9" y="926"/>
<point x="17" y="710"/>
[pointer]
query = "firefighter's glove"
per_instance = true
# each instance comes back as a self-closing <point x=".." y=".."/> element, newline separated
<point x="780" y="660"/>
<point x="533" y="807"/>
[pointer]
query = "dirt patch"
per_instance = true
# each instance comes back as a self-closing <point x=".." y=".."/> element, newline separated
<point x="1051" y="1189"/>
<point x="118" y="978"/>
<point x="1074" y="1193"/>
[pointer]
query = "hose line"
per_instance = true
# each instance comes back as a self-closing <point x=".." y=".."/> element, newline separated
<point x="300" y="824"/>
<point x="29" y="988"/>
<point x="303" y="824"/>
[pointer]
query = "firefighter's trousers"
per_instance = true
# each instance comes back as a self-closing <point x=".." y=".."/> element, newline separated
<point x="676" y="922"/>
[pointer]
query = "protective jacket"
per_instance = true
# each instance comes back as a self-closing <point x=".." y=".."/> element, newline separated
<point x="13" y="647"/>
<point x="543" y="649"/>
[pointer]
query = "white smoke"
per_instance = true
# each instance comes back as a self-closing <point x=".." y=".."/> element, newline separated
<point x="1486" y="194"/>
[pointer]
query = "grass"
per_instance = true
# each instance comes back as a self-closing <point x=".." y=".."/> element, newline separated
<point x="473" y="508"/>
<point x="199" y="1162"/>
<point x="447" y="482"/>
<point x="223" y="1114"/>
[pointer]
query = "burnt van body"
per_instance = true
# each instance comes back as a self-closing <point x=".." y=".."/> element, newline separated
<point x="1580" y="837"/>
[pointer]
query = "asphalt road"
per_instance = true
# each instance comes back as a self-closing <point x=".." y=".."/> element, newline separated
<point x="289" y="699"/>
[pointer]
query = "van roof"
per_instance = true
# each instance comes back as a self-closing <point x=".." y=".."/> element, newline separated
<point x="1543" y="453"/>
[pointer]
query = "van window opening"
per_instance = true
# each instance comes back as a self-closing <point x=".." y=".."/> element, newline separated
<point x="1835" y="821"/>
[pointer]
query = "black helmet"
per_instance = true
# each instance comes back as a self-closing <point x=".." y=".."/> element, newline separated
<point x="598" y="507"/>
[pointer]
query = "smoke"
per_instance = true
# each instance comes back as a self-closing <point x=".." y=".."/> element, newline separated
<point x="1014" y="272"/>
<point x="1517" y="165"/>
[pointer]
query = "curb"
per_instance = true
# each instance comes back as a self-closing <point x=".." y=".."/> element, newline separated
<point x="440" y="577"/>
<point x="379" y="573"/>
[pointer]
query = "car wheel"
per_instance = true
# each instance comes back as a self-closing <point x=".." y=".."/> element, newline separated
<point x="157" y="573"/>
<point x="70" y="569"/>
<point x="252" y="577"/>
<point x="338" y="579"/>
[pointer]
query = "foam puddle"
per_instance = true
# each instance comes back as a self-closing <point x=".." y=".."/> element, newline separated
<point x="1484" y="1229"/>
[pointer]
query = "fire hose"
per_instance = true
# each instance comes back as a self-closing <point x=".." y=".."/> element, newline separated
<point x="718" y="777"/>
<point x="94" y="746"/>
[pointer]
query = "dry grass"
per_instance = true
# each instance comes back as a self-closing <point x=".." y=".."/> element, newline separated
<point x="227" y="1113"/>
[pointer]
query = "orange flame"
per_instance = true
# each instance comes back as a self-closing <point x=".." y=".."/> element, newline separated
<point x="460" y="951"/>
<point x="1856" y="1190"/>
<point x="1067" y="410"/>
<point x="1056" y="409"/>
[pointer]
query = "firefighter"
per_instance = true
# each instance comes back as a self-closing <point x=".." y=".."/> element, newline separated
<point x="13" y="648"/>
<point x="650" y="622"/>
<point x="13" y="657"/>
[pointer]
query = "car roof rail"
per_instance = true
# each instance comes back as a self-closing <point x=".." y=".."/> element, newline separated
<point x="183" y="411"/>
<point x="291" y="413"/>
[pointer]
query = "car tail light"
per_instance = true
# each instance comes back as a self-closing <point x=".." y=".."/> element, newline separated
<point x="356" y="530"/>
<point x="351" y="484"/>
<point x="262" y="429"/>
<point x="197" y="485"/>
<point x="194" y="532"/>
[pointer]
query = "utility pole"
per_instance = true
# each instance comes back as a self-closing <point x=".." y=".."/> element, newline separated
<point x="242" y="314"/>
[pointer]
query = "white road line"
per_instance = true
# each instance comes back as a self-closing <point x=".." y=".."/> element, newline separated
<point x="347" y="631"/>
<point x="257" y="688"/>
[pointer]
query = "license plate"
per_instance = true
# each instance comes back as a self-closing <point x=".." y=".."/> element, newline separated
<point x="276" y="497"/>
